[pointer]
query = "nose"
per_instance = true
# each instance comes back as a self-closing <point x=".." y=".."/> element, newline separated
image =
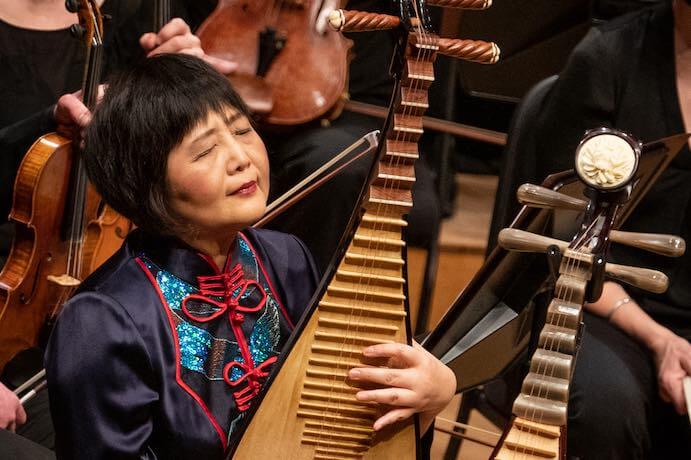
<point x="237" y="159"/>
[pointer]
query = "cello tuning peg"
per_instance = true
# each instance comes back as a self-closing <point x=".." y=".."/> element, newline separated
<point x="513" y="239"/>
<point x="77" y="30"/>
<point x="643" y="278"/>
<point x="666" y="245"/>
<point x="536" y="196"/>
<point x="469" y="50"/>
<point x="361" y="21"/>
<point x="72" y="5"/>
<point x="463" y="4"/>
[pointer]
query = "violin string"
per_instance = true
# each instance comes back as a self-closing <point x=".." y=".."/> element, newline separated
<point x="76" y="234"/>
<point x="90" y="99"/>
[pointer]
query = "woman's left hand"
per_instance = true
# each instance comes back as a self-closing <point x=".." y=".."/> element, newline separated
<point x="176" y="37"/>
<point x="413" y="381"/>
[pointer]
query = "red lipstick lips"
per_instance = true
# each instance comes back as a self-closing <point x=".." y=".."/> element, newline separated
<point x="247" y="188"/>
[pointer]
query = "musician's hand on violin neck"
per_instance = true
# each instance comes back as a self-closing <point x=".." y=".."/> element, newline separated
<point x="673" y="361"/>
<point x="414" y="381"/>
<point x="177" y="37"/>
<point x="71" y="115"/>
<point x="11" y="411"/>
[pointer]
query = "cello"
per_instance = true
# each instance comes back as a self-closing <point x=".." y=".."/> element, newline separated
<point x="289" y="73"/>
<point x="62" y="230"/>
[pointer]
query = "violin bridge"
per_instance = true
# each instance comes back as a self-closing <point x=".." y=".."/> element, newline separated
<point x="64" y="280"/>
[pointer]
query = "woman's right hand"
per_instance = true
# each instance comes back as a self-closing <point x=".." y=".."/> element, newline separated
<point x="11" y="411"/>
<point x="673" y="361"/>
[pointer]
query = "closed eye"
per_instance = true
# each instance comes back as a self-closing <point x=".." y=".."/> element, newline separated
<point x="240" y="132"/>
<point x="205" y="152"/>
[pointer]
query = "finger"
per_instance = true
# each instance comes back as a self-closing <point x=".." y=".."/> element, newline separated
<point x="176" y="44"/>
<point x="148" y="41"/>
<point x="174" y="28"/>
<point x="221" y="65"/>
<point x="664" y="395"/>
<point x="686" y="363"/>
<point x="390" y="397"/>
<point x="11" y="427"/>
<point x="675" y="392"/>
<point x="392" y="417"/>
<point x="20" y="415"/>
<point x="400" y="355"/>
<point x="193" y="52"/>
<point x="381" y="375"/>
<point x="71" y="110"/>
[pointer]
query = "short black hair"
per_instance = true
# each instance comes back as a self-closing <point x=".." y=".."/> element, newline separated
<point x="145" y="113"/>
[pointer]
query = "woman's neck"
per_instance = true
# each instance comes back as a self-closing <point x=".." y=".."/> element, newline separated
<point x="37" y="14"/>
<point x="214" y="247"/>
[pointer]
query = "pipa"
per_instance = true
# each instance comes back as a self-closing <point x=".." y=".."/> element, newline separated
<point x="308" y="408"/>
<point x="607" y="163"/>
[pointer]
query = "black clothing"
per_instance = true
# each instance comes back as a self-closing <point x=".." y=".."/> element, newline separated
<point x="614" y="408"/>
<point x="16" y="447"/>
<point x="368" y="74"/>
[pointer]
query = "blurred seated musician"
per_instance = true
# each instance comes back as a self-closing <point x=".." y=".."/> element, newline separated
<point x="42" y="66"/>
<point x="163" y="349"/>
<point x="295" y="155"/>
<point x="634" y="74"/>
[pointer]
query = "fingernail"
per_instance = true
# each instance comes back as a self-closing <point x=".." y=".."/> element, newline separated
<point x="354" y="374"/>
<point x="360" y="396"/>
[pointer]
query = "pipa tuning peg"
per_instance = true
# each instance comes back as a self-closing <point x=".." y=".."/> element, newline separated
<point x="469" y="50"/>
<point x="519" y="240"/>
<point x="666" y="245"/>
<point x="643" y="278"/>
<point x="463" y="4"/>
<point x="513" y="239"/>
<point x="361" y="21"/>
<point x="536" y="196"/>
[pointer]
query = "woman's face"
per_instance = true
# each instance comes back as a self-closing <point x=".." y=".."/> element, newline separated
<point x="218" y="176"/>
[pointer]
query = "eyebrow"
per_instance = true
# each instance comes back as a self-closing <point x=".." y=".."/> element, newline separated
<point x="230" y="119"/>
<point x="204" y="135"/>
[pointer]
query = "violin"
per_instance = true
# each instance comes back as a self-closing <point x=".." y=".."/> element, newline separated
<point x="289" y="73"/>
<point x="63" y="231"/>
